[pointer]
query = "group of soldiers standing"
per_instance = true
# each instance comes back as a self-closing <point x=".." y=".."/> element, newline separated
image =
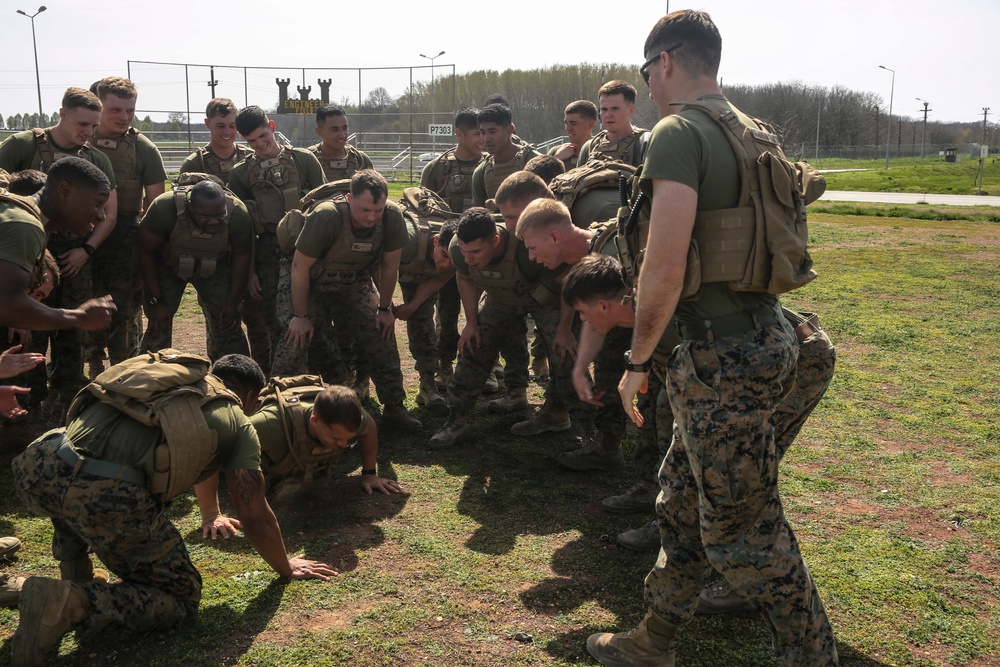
<point x="305" y="248"/>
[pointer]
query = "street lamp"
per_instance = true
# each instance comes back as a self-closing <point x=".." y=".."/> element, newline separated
<point x="38" y="81"/>
<point x="433" y="136"/>
<point x="888" y="122"/>
<point x="923" y="134"/>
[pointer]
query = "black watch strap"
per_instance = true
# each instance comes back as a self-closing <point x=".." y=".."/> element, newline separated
<point x="637" y="368"/>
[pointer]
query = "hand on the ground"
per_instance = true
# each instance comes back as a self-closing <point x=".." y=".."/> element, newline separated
<point x="632" y="383"/>
<point x="375" y="483"/>
<point x="310" y="569"/>
<point x="299" y="333"/>
<point x="385" y="324"/>
<point x="584" y="389"/>
<point x="9" y="407"/>
<point x="97" y="313"/>
<point x="71" y="261"/>
<point x="220" y="525"/>
<point x="14" y="362"/>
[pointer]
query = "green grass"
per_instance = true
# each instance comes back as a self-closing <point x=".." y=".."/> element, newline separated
<point x="933" y="177"/>
<point x="893" y="490"/>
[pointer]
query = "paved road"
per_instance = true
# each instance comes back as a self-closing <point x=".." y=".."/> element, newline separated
<point x="909" y="198"/>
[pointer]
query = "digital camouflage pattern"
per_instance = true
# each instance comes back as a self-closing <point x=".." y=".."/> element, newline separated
<point x="421" y="332"/>
<point x="126" y="529"/>
<point x="719" y="506"/>
<point x="449" y="307"/>
<point x="261" y="316"/>
<point x="352" y="306"/>
<point x="115" y="272"/>
<point x="212" y="293"/>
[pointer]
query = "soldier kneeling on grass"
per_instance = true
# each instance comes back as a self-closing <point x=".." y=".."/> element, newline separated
<point x="141" y="433"/>
<point x="304" y="427"/>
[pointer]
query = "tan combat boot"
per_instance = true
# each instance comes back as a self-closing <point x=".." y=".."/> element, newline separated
<point x="645" y="539"/>
<point x="718" y="597"/>
<point x="514" y="399"/>
<point x="9" y="546"/>
<point x="361" y="384"/>
<point x="81" y="570"/>
<point x="10" y="590"/>
<point x="428" y="395"/>
<point x="640" y="497"/>
<point x="543" y="421"/>
<point x="454" y="431"/>
<point x="396" y="416"/>
<point x="593" y="455"/>
<point x="649" y="644"/>
<point x="49" y="608"/>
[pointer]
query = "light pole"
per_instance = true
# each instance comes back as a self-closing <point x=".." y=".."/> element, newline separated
<point x="38" y="82"/>
<point x="923" y="134"/>
<point x="432" y="59"/>
<point x="888" y="122"/>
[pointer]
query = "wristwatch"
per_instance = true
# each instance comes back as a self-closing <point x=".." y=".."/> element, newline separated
<point x="385" y="309"/>
<point x="637" y="368"/>
<point x="152" y="301"/>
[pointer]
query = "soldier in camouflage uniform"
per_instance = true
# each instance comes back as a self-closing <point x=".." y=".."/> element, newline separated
<point x="719" y="507"/>
<point x="450" y="175"/>
<point x="141" y="179"/>
<point x="304" y="428"/>
<point x="579" y="119"/>
<point x="491" y="259"/>
<point x="619" y="139"/>
<point x="270" y="182"/>
<point x="330" y="278"/>
<point x="339" y="159"/>
<point x="95" y="479"/>
<point x="221" y="153"/>
<point x="79" y="117"/>
<point x="73" y="201"/>
<point x="199" y="235"/>
<point x="503" y="158"/>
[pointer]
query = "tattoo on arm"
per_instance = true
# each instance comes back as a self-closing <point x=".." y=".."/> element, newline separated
<point x="247" y="485"/>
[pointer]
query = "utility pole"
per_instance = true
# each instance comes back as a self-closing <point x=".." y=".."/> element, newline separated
<point x="38" y="80"/>
<point x="923" y="135"/>
<point x="888" y="122"/>
<point x="212" y="83"/>
<point x="982" y="152"/>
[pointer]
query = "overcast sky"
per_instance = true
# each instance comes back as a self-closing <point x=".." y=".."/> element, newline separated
<point x="944" y="52"/>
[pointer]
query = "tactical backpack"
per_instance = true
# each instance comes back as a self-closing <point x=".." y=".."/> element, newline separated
<point x="165" y="389"/>
<point x="428" y="212"/>
<point x="596" y="174"/>
<point x="758" y="246"/>
<point x="292" y="222"/>
<point x="192" y="253"/>
<point x="305" y="455"/>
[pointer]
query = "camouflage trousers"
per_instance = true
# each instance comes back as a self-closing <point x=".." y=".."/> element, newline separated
<point x="212" y="293"/>
<point x="449" y="306"/>
<point x="263" y="330"/>
<point x="421" y="333"/>
<point x="116" y="272"/>
<point x="719" y="505"/>
<point x="127" y="530"/>
<point x="352" y="306"/>
<point x="67" y="344"/>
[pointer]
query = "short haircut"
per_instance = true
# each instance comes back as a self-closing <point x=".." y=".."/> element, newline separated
<point x="339" y="405"/>
<point x="495" y="113"/>
<point x="543" y="214"/>
<point x="117" y="86"/>
<point x="585" y="108"/>
<point x="467" y="119"/>
<point x="496" y="98"/>
<point x="26" y="182"/>
<point x="77" y="172"/>
<point x="617" y="86"/>
<point x="329" y="110"/>
<point x="522" y="186"/>
<point x="370" y="180"/>
<point x="447" y="232"/>
<point x="50" y="268"/>
<point x="593" y="277"/>
<point x="546" y="167"/>
<point x="239" y="373"/>
<point x="78" y="98"/>
<point x="220" y="106"/>
<point x="701" y="44"/>
<point x="207" y="190"/>
<point x="476" y="223"/>
<point x="251" y="118"/>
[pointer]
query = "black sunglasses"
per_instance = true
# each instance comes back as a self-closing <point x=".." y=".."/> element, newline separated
<point x="644" y="70"/>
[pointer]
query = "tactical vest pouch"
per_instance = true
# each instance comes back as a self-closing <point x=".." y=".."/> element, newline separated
<point x="288" y="230"/>
<point x="291" y="223"/>
<point x="165" y="389"/>
<point x="130" y="196"/>
<point x="191" y="252"/>
<point x="185" y="267"/>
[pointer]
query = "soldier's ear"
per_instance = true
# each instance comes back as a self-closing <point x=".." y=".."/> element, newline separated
<point x="270" y="124"/>
<point x="435" y="240"/>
